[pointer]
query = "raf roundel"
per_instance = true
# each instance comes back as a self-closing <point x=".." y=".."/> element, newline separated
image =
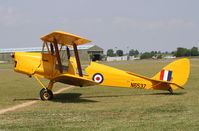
<point x="98" y="78"/>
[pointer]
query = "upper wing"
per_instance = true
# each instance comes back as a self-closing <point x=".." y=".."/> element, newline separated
<point x="74" y="80"/>
<point x="64" y="38"/>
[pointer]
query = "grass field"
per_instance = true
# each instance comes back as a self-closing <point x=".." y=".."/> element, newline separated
<point x="101" y="108"/>
<point x="6" y="66"/>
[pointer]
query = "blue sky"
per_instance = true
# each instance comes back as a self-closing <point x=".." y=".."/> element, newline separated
<point x="119" y="24"/>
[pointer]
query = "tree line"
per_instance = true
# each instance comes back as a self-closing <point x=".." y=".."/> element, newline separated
<point x="111" y="53"/>
<point x="186" y="52"/>
<point x="180" y="52"/>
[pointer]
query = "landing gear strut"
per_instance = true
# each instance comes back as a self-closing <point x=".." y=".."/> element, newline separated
<point x="46" y="92"/>
<point x="170" y="90"/>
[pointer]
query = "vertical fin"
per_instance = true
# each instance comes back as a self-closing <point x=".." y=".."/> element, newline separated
<point x="176" y="72"/>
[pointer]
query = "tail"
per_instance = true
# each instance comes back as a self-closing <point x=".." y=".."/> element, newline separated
<point x="176" y="73"/>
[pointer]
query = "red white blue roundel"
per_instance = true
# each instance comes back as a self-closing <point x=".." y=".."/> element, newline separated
<point x="98" y="78"/>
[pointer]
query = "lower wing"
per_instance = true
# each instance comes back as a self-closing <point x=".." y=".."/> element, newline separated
<point x="74" y="80"/>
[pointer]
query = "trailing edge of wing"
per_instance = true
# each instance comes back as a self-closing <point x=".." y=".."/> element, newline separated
<point x="74" y="80"/>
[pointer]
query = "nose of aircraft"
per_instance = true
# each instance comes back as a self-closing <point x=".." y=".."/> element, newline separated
<point x="12" y="55"/>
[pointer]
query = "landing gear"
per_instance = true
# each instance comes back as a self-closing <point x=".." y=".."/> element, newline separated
<point x="170" y="90"/>
<point x="46" y="94"/>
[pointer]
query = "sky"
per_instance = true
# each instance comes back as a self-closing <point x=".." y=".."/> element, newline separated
<point x="146" y="25"/>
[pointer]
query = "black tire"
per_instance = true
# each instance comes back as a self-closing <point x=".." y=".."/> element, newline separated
<point x="170" y="90"/>
<point x="46" y="94"/>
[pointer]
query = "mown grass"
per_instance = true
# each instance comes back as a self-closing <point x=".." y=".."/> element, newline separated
<point x="102" y="108"/>
<point x="6" y="66"/>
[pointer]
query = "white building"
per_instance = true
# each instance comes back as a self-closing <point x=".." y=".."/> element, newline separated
<point x="120" y="58"/>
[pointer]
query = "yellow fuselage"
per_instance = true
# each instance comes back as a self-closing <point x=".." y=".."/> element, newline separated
<point x="44" y="65"/>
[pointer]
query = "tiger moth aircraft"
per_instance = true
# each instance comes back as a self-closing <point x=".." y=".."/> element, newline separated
<point x="49" y="64"/>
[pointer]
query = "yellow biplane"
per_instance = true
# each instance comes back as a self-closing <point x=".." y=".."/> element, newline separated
<point x="49" y="64"/>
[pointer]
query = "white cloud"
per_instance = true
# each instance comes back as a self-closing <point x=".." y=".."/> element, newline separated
<point x="151" y="25"/>
<point x="8" y="16"/>
<point x="179" y="23"/>
<point x="83" y="21"/>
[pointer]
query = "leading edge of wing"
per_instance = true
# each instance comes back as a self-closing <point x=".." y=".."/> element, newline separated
<point x="64" y="38"/>
<point x="74" y="80"/>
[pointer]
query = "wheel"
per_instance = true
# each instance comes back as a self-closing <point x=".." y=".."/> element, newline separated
<point x="170" y="90"/>
<point x="46" y="94"/>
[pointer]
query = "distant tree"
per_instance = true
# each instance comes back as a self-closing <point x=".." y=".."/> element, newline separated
<point x="173" y="52"/>
<point x="159" y="56"/>
<point x="119" y="53"/>
<point x="194" y="51"/>
<point x="136" y="52"/>
<point x="110" y="52"/>
<point x="188" y="52"/>
<point x="152" y="53"/>
<point x="180" y="52"/>
<point x="146" y="55"/>
<point x="133" y="52"/>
